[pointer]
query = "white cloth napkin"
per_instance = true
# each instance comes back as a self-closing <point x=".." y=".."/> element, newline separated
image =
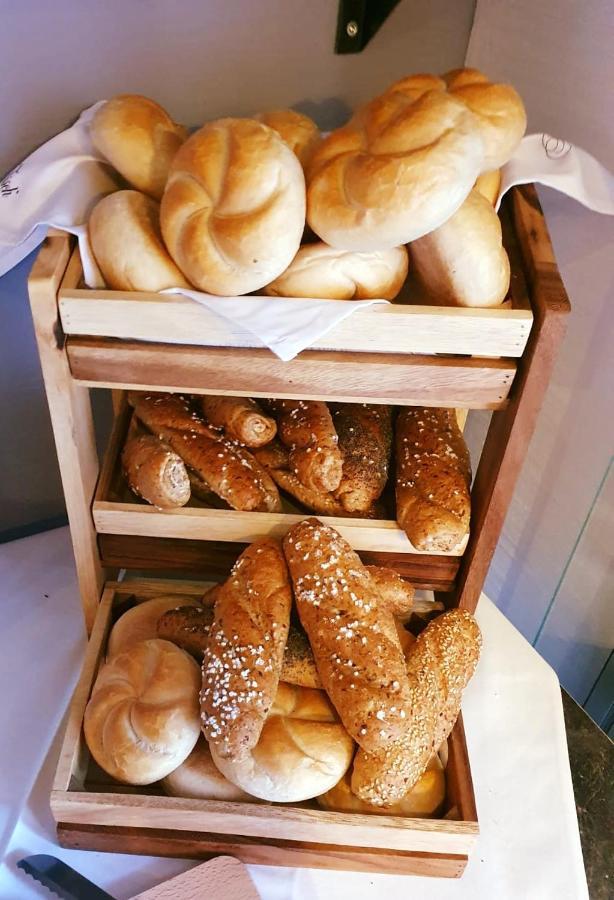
<point x="60" y="182"/>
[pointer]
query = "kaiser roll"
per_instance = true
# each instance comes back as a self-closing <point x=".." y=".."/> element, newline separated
<point x="463" y="262"/>
<point x="139" y="139"/>
<point x="421" y="801"/>
<point x="143" y="719"/>
<point x="318" y="270"/>
<point x="198" y="777"/>
<point x="233" y="211"/>
<point x="141" y="622"/>
<point x="125" y="237"/>
<point x="303" y="750"/>
<point x="300" y="133"/>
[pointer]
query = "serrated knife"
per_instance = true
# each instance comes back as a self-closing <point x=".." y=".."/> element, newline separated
<point x="61" y="879"/>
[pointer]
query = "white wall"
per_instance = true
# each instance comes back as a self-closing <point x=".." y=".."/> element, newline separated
<point x="552" y="573"/>
<point x="201" y="59"/>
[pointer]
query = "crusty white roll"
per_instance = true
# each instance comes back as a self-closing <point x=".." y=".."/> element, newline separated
<point x="321" y="271"/>
<point x="125" y="237"/>
<point x="463" y="262"/>
<point x="199" y="778"/>
<point x="139" y="139"/>
<point x="142" y="719"/>
<point x="302" y="751"/>
<point x="299" y="132"/>
<point x="233" y="211"/>
<point x="400" y="168"/>
<point x="141" y="622"/>
<point x="422" y="801"/>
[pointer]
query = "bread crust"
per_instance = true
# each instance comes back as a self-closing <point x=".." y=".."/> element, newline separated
<point x="365" y="442"/>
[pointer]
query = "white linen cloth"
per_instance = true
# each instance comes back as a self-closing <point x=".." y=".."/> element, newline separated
<point x="529" y="846"/>
<point x="58" y="184"/>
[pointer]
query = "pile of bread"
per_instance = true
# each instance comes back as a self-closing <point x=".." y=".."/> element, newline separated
<point x="346" y="706"/>
<point x="334" y="460"/>
<point x="225" y="210"/>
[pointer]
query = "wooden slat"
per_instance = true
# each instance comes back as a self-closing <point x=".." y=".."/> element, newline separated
<point x="201" y="845"/>
<point x="511" y="429"/>
<point x="380" y="535"/>
<point x="366" y="377"/>
<point x="71" y="418"/>
<point x="213" y="559"/>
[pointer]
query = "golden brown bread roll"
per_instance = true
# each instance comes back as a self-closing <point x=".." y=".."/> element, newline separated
<point x="142" y="720"/>
<point x="365" y="442"/>
<point x="297" y="130"/>
<point x="189" y="626"/>
<point x="463" y="262"/>
<point x="139" y="139"/>
<point x="408" y="159"/>
<point x="302" y="751"/>
<point x="229" y="470"/>
<point x="396" y="593"/>
<point x="276" y="460"/>
<point x="439" y="665"/>
<point x="432" y="478"/>
<point x="307" y="430"/>
<point x="244" y="653"/>
<point x="241" y="418"/>
<point x="353" y="636"/>
<point x="199" y="778"/>
<point x="423" y="800"/>
<point x="154" y="472"/>
<point x="233" y="211"/>
<point x="141" y="622"/>
<point x="488" y="185"/>
<point x="125" y="237"/>
<point x="321" y="271"/>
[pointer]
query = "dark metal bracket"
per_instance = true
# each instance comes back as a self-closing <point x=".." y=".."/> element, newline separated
<point x="358" y="21"/>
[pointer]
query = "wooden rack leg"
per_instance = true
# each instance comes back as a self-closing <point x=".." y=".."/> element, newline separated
<point x="511" y="429"/>
<point x="71" y="419"/>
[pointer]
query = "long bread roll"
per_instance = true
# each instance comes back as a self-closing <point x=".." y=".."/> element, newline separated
<point x="307" y="430"/>
<point x="230" y="471"/>
<point x="432" y="478"/>
<point x="241" y="418"/>
<point x="353" y="636"/>
<point x="155" y="472"/>
<point x="440" y="663"/>
<point x="244" y="653"/>
<point x="365" y="441"/>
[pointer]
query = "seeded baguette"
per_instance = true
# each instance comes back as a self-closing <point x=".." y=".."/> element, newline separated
<point x="229" y="470"/>
<point x="433" y="476"/>
<point x="365" y="441"/>
<point x="244" y="654"/>
<point x="352" y="634"/>
<point x="440" y="664"/>
<point x="306" y="428"/>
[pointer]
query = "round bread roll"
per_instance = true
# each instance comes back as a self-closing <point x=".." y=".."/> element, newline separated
<point x="299" y="132"/>
<point x="139" y="139"/>
<point x="125" y="236"/>
<point x="422" y="801"/>
<point x="400" y="168"/>
<point x="498" y="108"/>
<point x="233" y="211"/>
<point x="143" y="717"/>
<point x="463" y="262"/>
<point x="302" y="752"/>
<point x="141" y="622"/>
<point x="488" y="185"/>
<point x="318" y="270"/>
<point x="199" y="778"/>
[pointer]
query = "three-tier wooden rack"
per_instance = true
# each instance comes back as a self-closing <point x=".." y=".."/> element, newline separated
<point x="497" y="359"/>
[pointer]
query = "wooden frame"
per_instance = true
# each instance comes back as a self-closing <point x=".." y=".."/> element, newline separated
<point x="77" y="351"/>
<point x="111" y="813"/>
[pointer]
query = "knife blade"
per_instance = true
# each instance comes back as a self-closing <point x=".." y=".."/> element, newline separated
<point x="61" y="879"/>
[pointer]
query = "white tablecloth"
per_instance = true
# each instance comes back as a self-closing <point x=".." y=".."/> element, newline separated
<point x="529" y="846"/>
